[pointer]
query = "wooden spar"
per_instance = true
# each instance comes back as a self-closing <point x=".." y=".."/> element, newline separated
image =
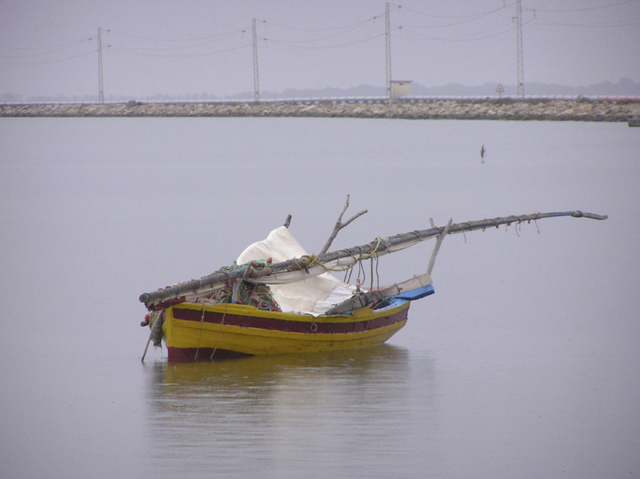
<point x="156" y="323"/>
<point x="339" y="225"/>
<point x="147" y="346"/>
<point x="364" y="298"/>
<point x="436" y="248"/>
<point x="377" y="247"/>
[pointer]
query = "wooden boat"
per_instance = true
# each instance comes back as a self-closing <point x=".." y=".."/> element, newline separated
<point x="294" y="304"/>
<point x="634" y="121"/>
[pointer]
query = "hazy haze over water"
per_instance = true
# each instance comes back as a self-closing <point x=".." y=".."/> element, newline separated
<point x="523" y="364"/>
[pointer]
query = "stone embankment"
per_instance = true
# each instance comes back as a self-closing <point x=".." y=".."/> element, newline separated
<point x="551" y="110"/>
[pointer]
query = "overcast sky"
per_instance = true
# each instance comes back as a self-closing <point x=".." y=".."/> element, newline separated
<point x="196" y="46"/>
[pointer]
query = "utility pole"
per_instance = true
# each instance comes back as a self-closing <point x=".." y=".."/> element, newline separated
<point x="256" y="78"/>
<point x="388" y="50"/>
<point x="100" y="81"/>
<point x="519" y="48"/>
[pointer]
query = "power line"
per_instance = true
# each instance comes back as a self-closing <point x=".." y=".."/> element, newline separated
<point x="587" y="8"/>
<point x="324" y="38"/>
<point x="332" y="29"/>
<point x="467" y="37"/>
<point x="614" y="24"/>
<point x="182" y="47"/>
<point x="49" y="49"/>
<point x="324" y="47"/>
<point x="208" y="38"/>
<point x="53" y="60"/>
<point x="143" y="53"/>
<point x="471" y="17"/>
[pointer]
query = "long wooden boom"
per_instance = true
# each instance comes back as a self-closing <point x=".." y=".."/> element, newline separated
<point x="377" y="247"/>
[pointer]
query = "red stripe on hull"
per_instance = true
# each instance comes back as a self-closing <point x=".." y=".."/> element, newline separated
<point x="275" y="324"/>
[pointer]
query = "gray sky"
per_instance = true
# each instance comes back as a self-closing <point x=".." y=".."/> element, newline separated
<point x="196" y="46"/>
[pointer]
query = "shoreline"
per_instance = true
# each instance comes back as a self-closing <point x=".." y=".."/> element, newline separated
<point x="527" y="110"/>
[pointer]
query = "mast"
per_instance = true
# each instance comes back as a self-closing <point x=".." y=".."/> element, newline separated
<point x="375" y="248"/>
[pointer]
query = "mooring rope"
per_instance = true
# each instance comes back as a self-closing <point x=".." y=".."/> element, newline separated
<point x="348" y="267"/>
<point x="215" y="348"/>
<point x="201" y="328"/>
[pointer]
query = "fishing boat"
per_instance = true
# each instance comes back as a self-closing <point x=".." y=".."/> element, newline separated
<point x="634" y="121"/>
<point x="276" y="298"/>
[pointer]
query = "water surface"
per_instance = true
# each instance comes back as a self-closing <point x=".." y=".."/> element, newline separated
<point x="523" y="364"/>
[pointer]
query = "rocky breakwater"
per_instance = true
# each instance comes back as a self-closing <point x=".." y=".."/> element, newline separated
<point x="456" y="110"/>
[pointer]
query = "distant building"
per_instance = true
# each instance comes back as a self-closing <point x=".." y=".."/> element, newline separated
<point x="400" y="88"/>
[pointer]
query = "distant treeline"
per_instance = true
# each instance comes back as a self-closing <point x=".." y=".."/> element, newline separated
<point x="625" y="87"/>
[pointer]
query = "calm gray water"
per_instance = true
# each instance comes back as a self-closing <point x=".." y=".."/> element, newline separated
<point x="525" y="363"/>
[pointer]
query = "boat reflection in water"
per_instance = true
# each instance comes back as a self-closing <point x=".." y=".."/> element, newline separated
<point x="281" y="414"/>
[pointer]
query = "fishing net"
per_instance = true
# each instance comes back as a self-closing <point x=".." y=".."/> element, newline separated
<point x="243" y="292"/>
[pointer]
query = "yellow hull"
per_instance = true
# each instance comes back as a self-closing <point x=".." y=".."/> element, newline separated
<point x="194" y="331"/>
